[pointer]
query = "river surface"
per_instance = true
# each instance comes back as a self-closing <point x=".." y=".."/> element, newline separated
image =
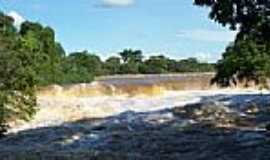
<point x="57" y="110"/>
<point x="213" y="124"/>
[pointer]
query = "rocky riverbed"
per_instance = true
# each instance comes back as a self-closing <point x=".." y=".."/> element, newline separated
<point x="221" y="125"/>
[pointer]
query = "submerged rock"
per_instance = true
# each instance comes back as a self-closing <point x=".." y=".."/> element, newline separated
<point x="267" y="127"/>
<point x="211" y="113"/>
<point x="252" y="108"/>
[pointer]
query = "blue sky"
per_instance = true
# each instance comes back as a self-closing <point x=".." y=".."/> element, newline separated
<point x="175" y="28"/>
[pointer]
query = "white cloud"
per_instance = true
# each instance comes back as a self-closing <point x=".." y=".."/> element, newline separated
<point x="207" y="35"/>
<point x="117" y="3"/>
<point x="18" y="19"/>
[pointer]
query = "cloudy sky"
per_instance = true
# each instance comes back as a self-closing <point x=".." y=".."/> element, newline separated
<point x="175" y="28"/>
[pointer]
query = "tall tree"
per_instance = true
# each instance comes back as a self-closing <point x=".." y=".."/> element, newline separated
<point x="132" y="60"/>
<point x="129" y="55"/>
<point x="155" y="65"/>
<point x="248" y="57"/>
<point x="81" y="67"/>
<point x="17" y="80"/>
<point x="48" y="53"/>
<point x="112" y="65"/>
<point x="244" y="61"/>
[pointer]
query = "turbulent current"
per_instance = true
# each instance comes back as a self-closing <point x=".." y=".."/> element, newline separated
<point x="110" y="96"/>
<point x="144" y="117"/>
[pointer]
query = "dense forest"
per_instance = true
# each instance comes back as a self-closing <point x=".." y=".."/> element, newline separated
<point x="82" y="67"/>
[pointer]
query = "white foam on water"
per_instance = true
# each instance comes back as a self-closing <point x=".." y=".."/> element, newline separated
<point x="57" y="110"/>
<point x="169" y="99"/>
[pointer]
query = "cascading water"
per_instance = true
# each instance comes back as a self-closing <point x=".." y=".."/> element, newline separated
<point x="111" y="96"/>
<point x="151" y="116"/>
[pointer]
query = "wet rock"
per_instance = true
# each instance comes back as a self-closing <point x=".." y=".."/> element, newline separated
<point x="99" y="128"/>
<point x="211" y="113"/>
<point x="267" y="127"/>
<point x="183" y="124"/>
<point x="252" y="108"/>
<point x="159" y="118"/>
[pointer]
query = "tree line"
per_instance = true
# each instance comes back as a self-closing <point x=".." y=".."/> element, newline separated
<point x="79" y="67"/>
<point x="52" y="65"/>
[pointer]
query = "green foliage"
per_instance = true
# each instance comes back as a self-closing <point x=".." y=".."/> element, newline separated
<point x="112" y="65"/>
<point x="17" y="96"/>
<point x="17" y="81"/>
<point x="133" y="63"/>
<point x="248" y="58"/>
<point x="155" y="65"/>
<point x="245" y="60"/>
<point x="132" y="60"/>
<point x="193" y="65"/>
<point x="81" y="67"/>
<point x="130" y="56"/>
<point x="48" y="53"/>
<point x="91" y="62"/>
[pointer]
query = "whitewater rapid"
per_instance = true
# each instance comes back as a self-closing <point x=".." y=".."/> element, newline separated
<point x="168" y="99"/>
<point x="58" y="110"/>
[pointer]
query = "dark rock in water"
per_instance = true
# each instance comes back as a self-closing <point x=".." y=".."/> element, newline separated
<point x="267" y="127"/>
<point x="99" y="128"/>
<point x="3" y="129"/>
<point x="252" y="108"/>
<point x="211" y="113"/>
